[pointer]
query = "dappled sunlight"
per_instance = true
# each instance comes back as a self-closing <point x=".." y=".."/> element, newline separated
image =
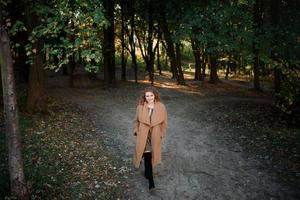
<point x="190" y="89"/>
<point x="165" y="81"/>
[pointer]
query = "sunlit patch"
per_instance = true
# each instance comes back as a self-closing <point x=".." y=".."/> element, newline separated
<point x="201" y="88"/>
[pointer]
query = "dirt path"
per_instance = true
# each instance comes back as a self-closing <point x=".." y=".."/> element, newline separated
<point x="198" y="162"/>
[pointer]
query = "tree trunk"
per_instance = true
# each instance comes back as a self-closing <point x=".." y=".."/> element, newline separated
<point x="132" y="43"/>
<point x="36" y="97"/>
<point x="150" y="53"/>
<point x="15" y="162"/>
<point x="257" y="19"/>
<point x="20" y="60"/>
<point x="65" y="71"/>
<point x="123" y="42"/>
<point x="256" y="81"/>
<point x="71" y="67"/>
<point x="240" y="64"/>
<point x="234" y="63"/>
<point x="228" y="66"/>
<point x="197" y="54"/>
<point x="227" y="71"/>
<point x="275" y="13"/>
<point x="109" y="45"/>
<point x="170" y="47"/>
<point x="158" y="53"/>
<point x="203" y="63"/>
<point x="213" y="70"/>
<point x="179" y="65"/>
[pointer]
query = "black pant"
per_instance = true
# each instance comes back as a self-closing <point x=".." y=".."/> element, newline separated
<point x="148" y="169"/>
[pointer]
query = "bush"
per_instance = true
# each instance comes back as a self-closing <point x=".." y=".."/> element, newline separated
<point x="288" y="100"/>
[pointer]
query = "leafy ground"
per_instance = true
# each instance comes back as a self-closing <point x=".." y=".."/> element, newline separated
<point x="223" y="142"/>
<point x="264" y="136"/>
<point x="65" y="157"/>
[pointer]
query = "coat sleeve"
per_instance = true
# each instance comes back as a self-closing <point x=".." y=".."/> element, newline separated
<point x="164" y="124"/>
<point x="136" y="122"/>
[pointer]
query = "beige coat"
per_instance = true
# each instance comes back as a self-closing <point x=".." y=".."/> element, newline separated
<point x="141" y="128"/>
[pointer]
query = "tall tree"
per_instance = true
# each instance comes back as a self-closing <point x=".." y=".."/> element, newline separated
<point x="109" y="44"/>
<point x="169" y="45"/>
<point x="132" y="40"/>
<point x="36" y="97"/>
<point x="275" y="13"/>
<point x="146" y="35"/>
<point x="257" y="21"/>
<point x="123" y="40"/>
<point x="197" y="55"/>
<point x="15" y="162"/>
<point x="158" y="51"/>
<point x="179" y="64"/>
<point x="150" y="52"/>
<point x="213" y="69"/>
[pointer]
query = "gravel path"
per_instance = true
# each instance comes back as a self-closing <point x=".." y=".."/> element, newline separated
<point x="198" y="162"/>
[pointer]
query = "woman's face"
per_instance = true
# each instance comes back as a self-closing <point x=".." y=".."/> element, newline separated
<point x="149" y="97"/>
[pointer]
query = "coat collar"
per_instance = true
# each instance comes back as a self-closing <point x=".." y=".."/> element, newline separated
<point x="158" y="114"/>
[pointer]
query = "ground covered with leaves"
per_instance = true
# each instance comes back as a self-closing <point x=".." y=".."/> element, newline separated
<point x="234" y="146"/>
<point x="264" y="135"/>
<point x="272" y="140"/>
<point x="65" y="157"/>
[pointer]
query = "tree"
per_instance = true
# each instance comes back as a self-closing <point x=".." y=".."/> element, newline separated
<point x="275" y="13"/>
<point x="169" y="45"/>
<point x="123" y="23"/>
<point x="36" y="98"/>
<point x="197" y="55"/>
<point x="146" y="35"/>
<point x="72" y="34"/>
<point x="109" y="44"/>
<point x="158" y="51"/>
<point x="257" y="21"/>
<point x="179" y="64"/>
<point x="15" y="162"/>
<point x="131" y="38"/>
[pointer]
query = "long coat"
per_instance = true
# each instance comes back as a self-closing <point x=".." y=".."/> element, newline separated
<point x="142" y="126"/>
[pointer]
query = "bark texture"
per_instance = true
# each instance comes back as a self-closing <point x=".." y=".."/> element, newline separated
<point x="15" y="163"/>
<point x="36" y="99"/>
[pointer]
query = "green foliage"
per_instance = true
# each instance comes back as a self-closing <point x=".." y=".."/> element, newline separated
<point x="187" y="51"/>
<point x="288" y="100"/>
<point x="69" y="29"/>
<point x="217" y="27"/>
<point x="17" y="27"/>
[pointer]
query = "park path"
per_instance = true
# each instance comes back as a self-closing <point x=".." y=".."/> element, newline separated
<point x="198" y="163"/>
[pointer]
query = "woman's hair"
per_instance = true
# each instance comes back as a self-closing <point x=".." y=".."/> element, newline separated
<point x="149" y="89"/>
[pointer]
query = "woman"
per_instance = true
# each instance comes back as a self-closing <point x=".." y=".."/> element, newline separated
<point x="150" y="125"/>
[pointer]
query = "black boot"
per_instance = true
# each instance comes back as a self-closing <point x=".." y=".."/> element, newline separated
<point x="148" y="169"/>
<point x="146" y="158"/>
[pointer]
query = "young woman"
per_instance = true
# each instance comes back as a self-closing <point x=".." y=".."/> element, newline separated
<point x="150" y="126"/>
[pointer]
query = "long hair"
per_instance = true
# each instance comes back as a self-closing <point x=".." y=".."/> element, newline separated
<point x="149" y="89"/>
